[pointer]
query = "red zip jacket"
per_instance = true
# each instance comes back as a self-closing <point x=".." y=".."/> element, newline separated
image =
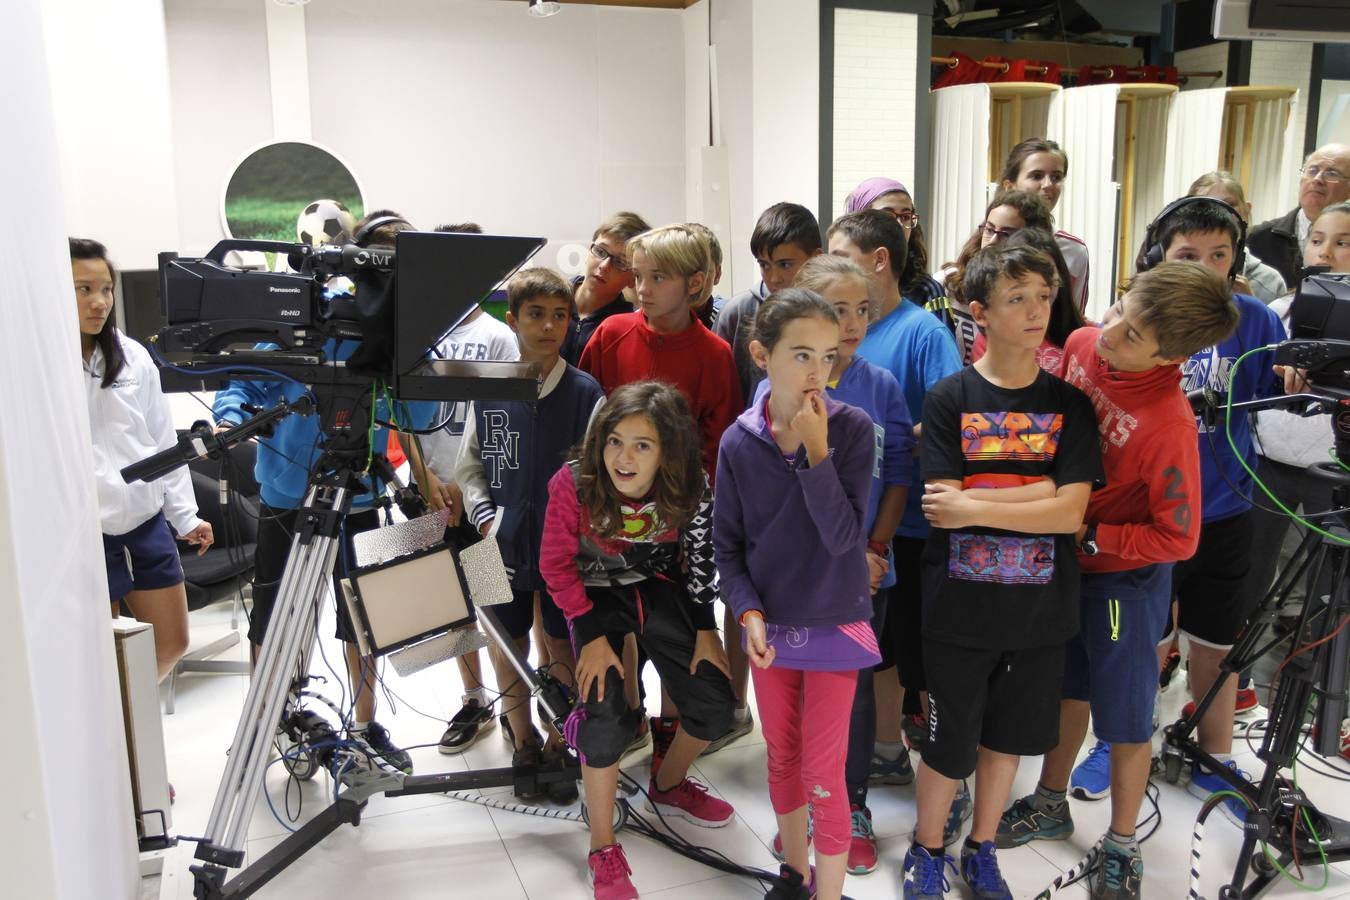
<point x="1149" y="511"/>
<point x="698" y="362"/>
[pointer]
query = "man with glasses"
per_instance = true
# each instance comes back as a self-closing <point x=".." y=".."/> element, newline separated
<point x="1323" y="180"/>
<point x="599" y="293"/>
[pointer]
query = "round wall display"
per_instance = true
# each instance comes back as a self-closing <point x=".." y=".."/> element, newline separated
<point x="273" y="185"/>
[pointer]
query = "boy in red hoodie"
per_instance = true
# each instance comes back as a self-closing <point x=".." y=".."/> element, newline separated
<point x="1146" y="518"/>
<point x="664" y="339"/>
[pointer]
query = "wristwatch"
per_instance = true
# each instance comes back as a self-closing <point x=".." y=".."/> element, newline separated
<point x="1088" y="545"/>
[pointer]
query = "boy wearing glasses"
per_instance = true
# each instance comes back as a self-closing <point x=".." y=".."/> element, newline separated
<point x="1323" y="180"/>
<point x="599" y="293"/>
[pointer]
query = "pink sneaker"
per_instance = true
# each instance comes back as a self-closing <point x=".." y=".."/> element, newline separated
<point x="690" y="800"/>
<point x="609" y="874"/>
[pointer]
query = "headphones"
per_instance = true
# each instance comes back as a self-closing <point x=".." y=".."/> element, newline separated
<point x="363" y="233"/>
<point x="1154" y="251"/>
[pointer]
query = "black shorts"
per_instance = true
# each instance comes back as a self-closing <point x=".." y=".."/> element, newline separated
<point x="902" y="643"/>
<point x="1213" y="588"/>
<point x="666" y="632"/>
<point x="275" y="530"/>
<point x="1006" y="700"/>
<point x="517" y="617"/>
<point x="143" y="559"/>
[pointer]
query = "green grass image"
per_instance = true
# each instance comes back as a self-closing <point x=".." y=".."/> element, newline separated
<point x="270" y="188"/>
<point x="266" y="219"/>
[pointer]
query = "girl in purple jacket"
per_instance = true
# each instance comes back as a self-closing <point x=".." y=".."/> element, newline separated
<point x="793" y="477"/>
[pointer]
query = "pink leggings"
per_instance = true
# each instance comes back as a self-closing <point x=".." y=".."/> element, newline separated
<point x="804" y="716"/>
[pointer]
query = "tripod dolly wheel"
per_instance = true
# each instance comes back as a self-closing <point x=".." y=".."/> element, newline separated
<point x="301" y="763"/>
<point x="1172" y="760"/>
<point x="1262" y="866"/>
<point x="621" y="809"/>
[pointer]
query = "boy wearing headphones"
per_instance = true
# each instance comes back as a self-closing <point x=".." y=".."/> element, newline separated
<point x="1135" y="528"/>
<point x="1211" y="588"/>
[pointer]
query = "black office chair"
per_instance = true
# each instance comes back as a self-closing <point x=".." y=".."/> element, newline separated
<point x="225" y="571"/>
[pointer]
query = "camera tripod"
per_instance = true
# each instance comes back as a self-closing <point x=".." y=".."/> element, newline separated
<point x="1274" y="808"/>
<point x="280" y="674"/>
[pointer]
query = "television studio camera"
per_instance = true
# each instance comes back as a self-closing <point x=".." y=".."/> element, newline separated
<point x="415" y="596"/>
<point x="1315" y="666"/>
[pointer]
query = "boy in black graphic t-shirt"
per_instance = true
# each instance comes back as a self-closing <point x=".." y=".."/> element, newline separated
<point x="1009" y="455"/>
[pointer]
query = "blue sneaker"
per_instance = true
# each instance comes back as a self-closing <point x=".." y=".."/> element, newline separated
<point x="925" y="878"/>
<point x="957" y="815"/>
<point x="1091" y="778"/>
<point x="1204" y="784"/>
<point x="979" y="868"/>
<point x="884" y="771"/>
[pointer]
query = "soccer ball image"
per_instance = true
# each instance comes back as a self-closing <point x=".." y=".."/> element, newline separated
<point x="322" y="221"/>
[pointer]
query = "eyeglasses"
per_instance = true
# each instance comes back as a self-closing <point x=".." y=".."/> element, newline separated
<point x="994" y="233"/>
<point x="1330" y="176"/>
<point x="907" y="217"/>
<point x="604" y="255"/>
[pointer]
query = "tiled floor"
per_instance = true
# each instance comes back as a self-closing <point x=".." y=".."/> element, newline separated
<point x="433" y="846"/>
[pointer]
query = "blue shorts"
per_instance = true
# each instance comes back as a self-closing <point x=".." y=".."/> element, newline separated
<point x="1113" y="662"/>
<point x="143" y="559"/>
<point x="517" y="617"/>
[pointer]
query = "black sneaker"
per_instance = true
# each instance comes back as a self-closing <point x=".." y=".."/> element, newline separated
<point x="468" y="725"/>
<point x="528" y="757"/>
<point x="560" y="792"/>
<point x="375" y="738"/>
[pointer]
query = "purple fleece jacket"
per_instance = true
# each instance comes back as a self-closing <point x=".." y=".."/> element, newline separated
<point x="789" y="540"/>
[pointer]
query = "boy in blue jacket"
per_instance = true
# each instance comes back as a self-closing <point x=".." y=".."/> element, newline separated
<point x="282" y="471"/>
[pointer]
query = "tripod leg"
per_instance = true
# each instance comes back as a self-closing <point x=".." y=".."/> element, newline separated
<point x="307" y="572"/>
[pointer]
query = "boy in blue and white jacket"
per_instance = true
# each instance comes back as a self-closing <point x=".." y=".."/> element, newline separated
<point x="509" y="452"/>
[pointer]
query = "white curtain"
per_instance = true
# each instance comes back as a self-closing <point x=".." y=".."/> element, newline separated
<point x="1083" y="121"/>
<point x="1194" y="133"/>
<point x="960" y="143"/>
<point x="1150" y="159"/>
<point x="67" y="829"/>
<point x="1274" y="183"/>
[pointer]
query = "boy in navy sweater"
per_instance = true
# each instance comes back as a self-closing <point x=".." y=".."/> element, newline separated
<point x="509" y="451"/>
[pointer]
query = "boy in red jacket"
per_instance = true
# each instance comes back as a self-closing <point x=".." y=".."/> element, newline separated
<point x="664" y="340"/>
<point x="1146" y="518"/>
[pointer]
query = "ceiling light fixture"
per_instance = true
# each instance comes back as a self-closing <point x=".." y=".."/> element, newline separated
<point x="542" y="8"/>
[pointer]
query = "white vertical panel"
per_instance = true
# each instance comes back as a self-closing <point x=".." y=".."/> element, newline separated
<point x="66" y="828"/>
<point x="960" y="163"/>
<point x="288" y="69"/>
<point x="1151" y="188"/>
<point x="1194" y="133"/>
<point x="1083" y="120"/>
<point x="874" y="97"/>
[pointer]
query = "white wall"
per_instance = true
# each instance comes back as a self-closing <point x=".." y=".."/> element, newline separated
<point x="448" y="111"/>
<point x="111" y="98"/>
<point x="1209" y="58"/>
<point x="66" y="828"/>
<point x="731" y="29"/>
<point x="1333" y="114"/>
<point x="874" y="97"/>
<point x="786" y="81"/>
